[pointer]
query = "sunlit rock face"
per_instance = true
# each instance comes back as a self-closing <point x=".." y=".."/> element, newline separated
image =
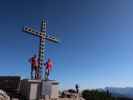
<point x="3" y="95"/>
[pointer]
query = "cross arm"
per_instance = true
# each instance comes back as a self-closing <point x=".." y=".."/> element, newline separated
<point x="31" y="31"/>
<point x="52" y="39"/>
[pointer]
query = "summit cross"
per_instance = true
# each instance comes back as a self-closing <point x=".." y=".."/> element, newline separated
<point x="42" y="35"/>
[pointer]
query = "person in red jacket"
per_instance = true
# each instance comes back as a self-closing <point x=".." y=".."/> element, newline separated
<point x="48" y="66"/>
<point x="34" y="66"/>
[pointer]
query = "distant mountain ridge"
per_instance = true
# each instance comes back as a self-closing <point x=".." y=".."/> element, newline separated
<point x="122" y="92"/>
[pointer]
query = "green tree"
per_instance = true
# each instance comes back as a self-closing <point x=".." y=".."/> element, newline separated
<point x="96" y="95"/>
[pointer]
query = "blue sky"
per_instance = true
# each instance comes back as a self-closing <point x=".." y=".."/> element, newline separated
<point x="96" y="48"/>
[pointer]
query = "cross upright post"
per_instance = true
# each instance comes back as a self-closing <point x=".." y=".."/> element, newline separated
<point x="42" y="46"/>
<point x="42" y="38"/>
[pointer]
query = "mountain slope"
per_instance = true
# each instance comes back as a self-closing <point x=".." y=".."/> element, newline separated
<point x="127" y="91"/>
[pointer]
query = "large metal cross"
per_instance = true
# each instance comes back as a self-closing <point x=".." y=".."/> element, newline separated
<point x="42" y="36"/>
